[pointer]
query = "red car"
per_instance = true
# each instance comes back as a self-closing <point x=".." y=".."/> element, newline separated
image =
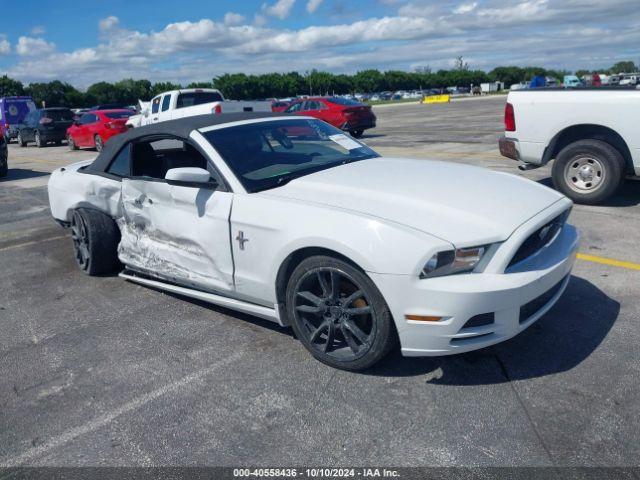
<point x="93" y="129"/>
<point x="342" y="113"/>
<point x="279" y="106"/>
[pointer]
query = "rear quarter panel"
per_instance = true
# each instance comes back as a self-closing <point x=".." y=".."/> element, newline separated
<point x="69" y="189"/>
<point x="541" y="115"/>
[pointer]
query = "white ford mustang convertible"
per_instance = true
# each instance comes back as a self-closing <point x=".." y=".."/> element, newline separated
<point x="289" y="219"/>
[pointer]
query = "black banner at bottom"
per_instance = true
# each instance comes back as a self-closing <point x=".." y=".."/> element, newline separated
<point x="234" y="473"/>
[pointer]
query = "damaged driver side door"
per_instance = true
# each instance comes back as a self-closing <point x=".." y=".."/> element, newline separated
<point x="177" y="231"/>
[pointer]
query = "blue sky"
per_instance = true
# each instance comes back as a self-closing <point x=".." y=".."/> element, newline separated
<point x="193" y="40"/>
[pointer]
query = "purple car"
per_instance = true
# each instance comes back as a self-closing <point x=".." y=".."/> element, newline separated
<point x="12" y="113"/>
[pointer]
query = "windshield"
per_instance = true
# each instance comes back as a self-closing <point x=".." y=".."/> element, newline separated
<point x="345" y="101"/>
<point x="58" y="115"/>
<point x="266" y="155"/>
<point x="189" y="99"/>
<point x="116" y="115"/>
<point x="16" y="110"/>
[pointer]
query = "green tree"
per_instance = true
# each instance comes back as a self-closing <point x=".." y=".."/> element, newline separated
<point x="10" y="87"/>
<point x="103" y="92"/>
<point x="199" y="85"/>
<point x="129" y="91"/>
<point x="53" y="94"/>
<point x="369" y="81"/>
<point x="508" y="74"/>
<point x="624" y="67"/>
<point x="161" y="87"/>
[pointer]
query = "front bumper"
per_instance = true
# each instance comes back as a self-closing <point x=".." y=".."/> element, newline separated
<point x="481" y="309"/>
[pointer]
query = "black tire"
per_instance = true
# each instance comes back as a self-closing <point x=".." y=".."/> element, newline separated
<point x="355" y="320"/>
<point x="38" y="140"/>
<point x="356" y="133"/>
<point x="71" y="144"/>
<point x="98" y="143"/>
<point x="588" y="171"/>
<point x="21" y="142"/>
<point x="95" y="238"/>
<point x="4" y="168"/>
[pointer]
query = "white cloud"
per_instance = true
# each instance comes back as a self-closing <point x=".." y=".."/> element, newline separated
<point x="465" y="8"/>
<point x="312" y="5"/>
<point x="578" y="34"/>
<point x="38" y="30"/>
<point x="5" y="46"/>
<point x="108" y="23"/>
<point x="260" y="20"/>
<point x="232" y="18"/>
<point x="280" y="9"/>
<point x="33" y="47"/>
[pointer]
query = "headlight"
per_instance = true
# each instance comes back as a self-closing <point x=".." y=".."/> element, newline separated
<point x="450" y="262"/>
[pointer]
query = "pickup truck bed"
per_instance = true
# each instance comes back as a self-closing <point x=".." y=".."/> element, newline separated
<point x="592" y="134"/>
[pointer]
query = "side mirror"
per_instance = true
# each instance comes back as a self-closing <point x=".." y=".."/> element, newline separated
<point x="188" y="175"/>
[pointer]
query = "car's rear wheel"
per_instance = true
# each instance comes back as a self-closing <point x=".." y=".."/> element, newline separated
<point x="71" y="143"/>
<point x="38" y="140"/>
<point x="98" y="142"/>
<point x="338" y="313"/>
<point x="95" y="238"/>
<point x="356" y="133"/>
<point x="21" y="142"/>
<point x="588" y="171"/>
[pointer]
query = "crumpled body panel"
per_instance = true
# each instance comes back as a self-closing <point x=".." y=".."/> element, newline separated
<point x="176" y="232"/>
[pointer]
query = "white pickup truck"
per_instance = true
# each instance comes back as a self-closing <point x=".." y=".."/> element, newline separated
<point x="592" y="134"/>
<point x="189" y="102"/>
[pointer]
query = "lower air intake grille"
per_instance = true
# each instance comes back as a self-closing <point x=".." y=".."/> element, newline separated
<point x="528" y="310"/>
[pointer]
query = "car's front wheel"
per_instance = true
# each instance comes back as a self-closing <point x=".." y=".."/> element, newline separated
<point x="588" y="171"/>
<point x="95" y="238"/>
<point x="356" y="133"/>
<point x="20" y="141"/>
<point x="338" y="313"/>
<point x="38" y="140"/>
<point x="71" y="143"/>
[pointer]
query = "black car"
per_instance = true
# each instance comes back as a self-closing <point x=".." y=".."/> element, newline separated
<point x="44" y="126"/>
<point x="3" y="156"/>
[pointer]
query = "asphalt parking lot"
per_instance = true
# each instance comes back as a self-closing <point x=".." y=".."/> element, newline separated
<point x="98" y="371"/>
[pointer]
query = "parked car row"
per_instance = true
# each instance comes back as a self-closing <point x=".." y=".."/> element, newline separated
<point x="343" y="113"/>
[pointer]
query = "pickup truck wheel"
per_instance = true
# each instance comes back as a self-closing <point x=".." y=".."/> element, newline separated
<point x="338" y="314"/>
<point x="588" y="171"/>
<point x="95" y="238"/>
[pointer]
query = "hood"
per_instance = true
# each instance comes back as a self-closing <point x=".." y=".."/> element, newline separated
<point x="461" y="204"/>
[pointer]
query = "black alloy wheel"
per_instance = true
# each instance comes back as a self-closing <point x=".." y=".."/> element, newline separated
<point x="80" y="237"/>
<point x="338" y="313"/>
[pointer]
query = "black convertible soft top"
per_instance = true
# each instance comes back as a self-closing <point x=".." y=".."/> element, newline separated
<point x="180" y="128"/>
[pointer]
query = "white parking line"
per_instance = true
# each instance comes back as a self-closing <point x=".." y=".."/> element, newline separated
<point x="102" y="420"/>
